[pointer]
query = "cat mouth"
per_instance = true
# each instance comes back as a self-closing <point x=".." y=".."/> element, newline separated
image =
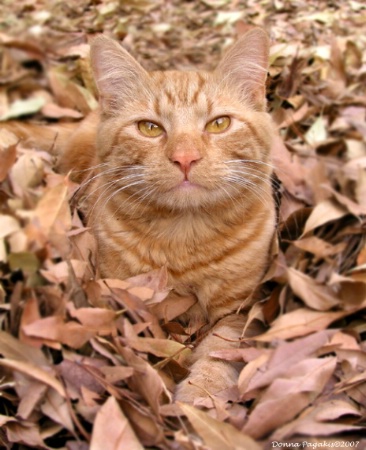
<point x="187" y="185"/>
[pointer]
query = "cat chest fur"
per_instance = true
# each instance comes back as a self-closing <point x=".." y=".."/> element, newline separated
<point x="218" y="256"/>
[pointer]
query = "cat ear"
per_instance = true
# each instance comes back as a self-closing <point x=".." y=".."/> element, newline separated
<point x="117" y="74"/>
<point x="245" y="67"/>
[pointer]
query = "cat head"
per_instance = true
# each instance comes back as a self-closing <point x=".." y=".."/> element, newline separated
<point x="185" y="140"/>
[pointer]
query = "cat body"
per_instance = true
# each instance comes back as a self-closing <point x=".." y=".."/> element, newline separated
<point x="182" y="179"/>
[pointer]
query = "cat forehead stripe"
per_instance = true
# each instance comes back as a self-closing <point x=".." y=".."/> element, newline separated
<point x="181" y="88"/>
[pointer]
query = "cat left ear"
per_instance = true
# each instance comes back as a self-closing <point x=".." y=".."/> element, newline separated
<point x="245" y="67"/>
<point x="117" y="74"/>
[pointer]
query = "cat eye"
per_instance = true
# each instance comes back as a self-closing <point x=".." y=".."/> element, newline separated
<point x="218" y="125"/>
<point x="150" y="129"/>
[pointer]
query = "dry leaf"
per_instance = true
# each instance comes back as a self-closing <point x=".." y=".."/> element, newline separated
<point x="318" y="297"/>
<point x="111" y="429"/>
<point x="299" y="323"/>
<point x="217" y="435"/>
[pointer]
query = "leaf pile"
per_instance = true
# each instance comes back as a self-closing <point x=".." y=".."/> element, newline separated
<point x="91" y="363"/>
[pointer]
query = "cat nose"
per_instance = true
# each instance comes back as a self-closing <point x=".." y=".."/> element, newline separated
<point x="185" y="159"/>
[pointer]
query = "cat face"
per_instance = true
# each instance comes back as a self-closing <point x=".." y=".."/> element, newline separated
<point x="184" y="140"/>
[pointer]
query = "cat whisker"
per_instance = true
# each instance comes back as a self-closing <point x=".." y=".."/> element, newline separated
<point x="109" y="183"/>
<point x="89" y="169"/>
<point x="117" y="191"/>
<point x="255" y="161"/>
<point x="254" y="188"/>
<point x="98" y="175"/>
<point x="248" y="172"/>
<point x="135" y="202"/>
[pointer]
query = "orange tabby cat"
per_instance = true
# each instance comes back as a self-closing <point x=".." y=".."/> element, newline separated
<point x="182" y="180"/>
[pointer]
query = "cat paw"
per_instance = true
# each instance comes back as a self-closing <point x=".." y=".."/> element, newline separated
<point x="206" y="378"/>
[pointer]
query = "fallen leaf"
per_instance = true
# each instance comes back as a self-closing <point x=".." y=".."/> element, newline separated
<point x="112" y="430"/>
<point x="23" y="108"/>
<point x="300" y="322"/>
<point x="313" y="294"/>
<point x="34" y="372"/>
<point x="217" y="435"/>
<point x="324" y="212"/>
<point x="288" y="395"/>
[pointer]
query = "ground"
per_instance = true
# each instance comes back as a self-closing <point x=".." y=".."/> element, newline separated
<point x="86" y="362"/>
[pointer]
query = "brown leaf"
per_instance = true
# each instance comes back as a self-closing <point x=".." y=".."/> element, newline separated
<point x="285" y="356"/>
<point x="31" y="393"/>
<point x="54" y="328"/>
<point x="35" y="372"/>
<point x="314" y="421"/>
<point x="324" y="212"/>
<point x="76" y="376"/>
<point x="53" y="210"/>
<point x="300" y="322"/>
<point x="102" y="321"/>
<point x="289" y="395"/>
<point x="54" y="111"/>
<point x="313" y="294"/>
<point x="148" y="429"/>
<point x="27" y="433"/>
<point x="159" y="347"/>
<point x="30" y="314"/>
<point x="145" y="379"/>
<point x="319" y="247"/>
<point x="56" y="408"/>
<point x="8" y="152"/>
<point x="28" y="171"/>
<point x="217" y="435"/>
<point x="112" y="430"/>
<point x="13" y="349"/>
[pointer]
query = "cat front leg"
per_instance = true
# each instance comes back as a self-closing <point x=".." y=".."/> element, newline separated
<point x="209" y="375"/>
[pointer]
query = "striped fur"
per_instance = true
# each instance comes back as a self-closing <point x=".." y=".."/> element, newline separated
<point x="212" y="232"/>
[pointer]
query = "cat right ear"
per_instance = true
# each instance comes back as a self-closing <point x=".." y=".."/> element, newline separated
<point x="116" y="74"/>
<point x="245" y="66"/>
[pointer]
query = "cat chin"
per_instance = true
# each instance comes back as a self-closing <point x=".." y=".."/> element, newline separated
<point x="189" y="196"/>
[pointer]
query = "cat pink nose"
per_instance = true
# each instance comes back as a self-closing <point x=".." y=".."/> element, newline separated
<point x="185" y="159"/>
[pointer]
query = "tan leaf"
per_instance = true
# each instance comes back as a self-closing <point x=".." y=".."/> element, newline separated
<point x="319" y="247"/>
<point x="159" y="347"/>
<point x="8" y="152"/>
<point x="6" y="419"/>
<point x="145" y="379"/>
<point x="103" y="321"/>
<point x="8" y="225"/>
<point x="34" y="372"/>
<point x="314" y="421"/>
<point x="27" y="432"/>
<point x="217" y="435"/>
<point x="28" y="171"/>
<point x="54" y="111"/>
<point x="56" y="407"/>
<point x="30" y="391"/>
<point x="53" y="209"/>
<point x="286" y="397"/>
<point x="54" y="328"/>
<point x="300" y="322"/>
<point x="112" y="430"/>
<point x="148" y="429"/>
<point x="12" y="348"/>
<point x="113" y="374"/>
<point x="313" y="294"/>
<point x="285" y="356"/>
<point x="324" y="212"/>
<point x="60" y="272"/>
<point x="78" y="375"/>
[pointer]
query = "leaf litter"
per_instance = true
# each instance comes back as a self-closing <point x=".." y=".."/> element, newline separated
<point x="92" y="363"/>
